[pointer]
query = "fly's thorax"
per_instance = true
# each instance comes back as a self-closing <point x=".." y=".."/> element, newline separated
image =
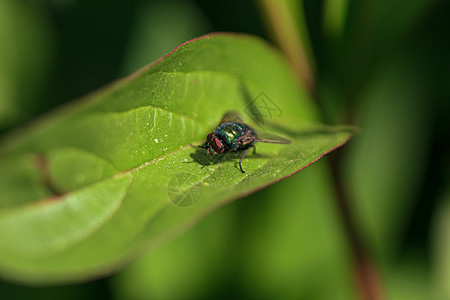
<point x="229" y="133"/>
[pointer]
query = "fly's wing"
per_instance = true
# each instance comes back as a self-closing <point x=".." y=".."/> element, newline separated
<point x="264" y="137"/>
<point x="231" y="116"/>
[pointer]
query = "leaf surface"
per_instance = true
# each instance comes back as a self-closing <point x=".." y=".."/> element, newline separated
<point x="86" y="188"/>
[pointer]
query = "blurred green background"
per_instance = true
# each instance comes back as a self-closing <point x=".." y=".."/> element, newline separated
<point x="382" y="65"/>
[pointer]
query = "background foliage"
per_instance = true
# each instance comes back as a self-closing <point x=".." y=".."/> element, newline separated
<point x="382" y="65"/>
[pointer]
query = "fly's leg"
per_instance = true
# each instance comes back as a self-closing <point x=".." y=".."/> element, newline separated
<point x="240" y="162"/>
<point x="204" y="146"/>
<point x="245" y="153"/>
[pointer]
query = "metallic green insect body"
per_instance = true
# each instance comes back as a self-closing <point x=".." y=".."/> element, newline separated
<point x="234" y="136"/>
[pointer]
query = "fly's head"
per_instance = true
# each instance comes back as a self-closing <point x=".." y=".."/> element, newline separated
<point x="214" y="143"/>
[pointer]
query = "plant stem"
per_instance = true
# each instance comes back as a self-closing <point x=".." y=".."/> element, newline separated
<point x="366" y="273"/>
<point x="291" y="39"/>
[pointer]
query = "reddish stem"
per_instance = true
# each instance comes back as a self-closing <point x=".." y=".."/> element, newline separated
<point x="366" y="272"/>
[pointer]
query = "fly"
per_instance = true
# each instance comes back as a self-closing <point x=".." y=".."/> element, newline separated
<point x="233" y="135"/>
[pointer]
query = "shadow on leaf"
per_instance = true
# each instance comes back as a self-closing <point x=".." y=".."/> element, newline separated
<point x="200" y="157"/>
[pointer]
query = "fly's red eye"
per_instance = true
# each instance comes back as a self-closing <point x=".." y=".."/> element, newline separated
<point x="209" y="137"/>
<point x="217" y="145"/>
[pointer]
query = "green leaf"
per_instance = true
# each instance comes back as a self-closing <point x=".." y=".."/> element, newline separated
<point x="270" y="244"/>
<point x="87" y="188"/>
